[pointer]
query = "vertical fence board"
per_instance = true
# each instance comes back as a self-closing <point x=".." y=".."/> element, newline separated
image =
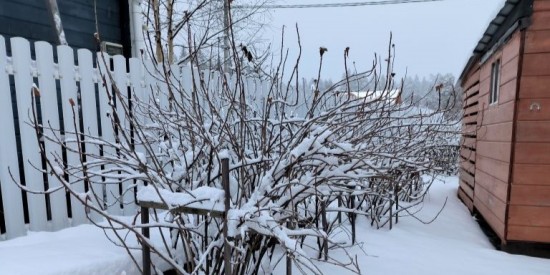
<point x="150" y="98"/>
<point x="11" y="194"/>
<point x="139" y="101"/>
<point x="122" y="106"/>
<point x="162" y="94"/>
<point x="108" y="134"/>
<point x="50" y="121"/>
<point x="89" y="119"/>
<point x="31" y="156"/>
<point x="69" y="91"/>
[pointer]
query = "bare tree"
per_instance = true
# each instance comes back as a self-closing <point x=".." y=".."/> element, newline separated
<point x="303" y="164"/>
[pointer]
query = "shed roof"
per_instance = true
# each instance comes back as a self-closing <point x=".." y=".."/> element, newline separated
<point x="507" y="19"/>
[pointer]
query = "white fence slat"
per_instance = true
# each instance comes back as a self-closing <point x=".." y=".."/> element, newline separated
<point x="137" y="84"/>
<point x="150" y="84"/>
<point x="69" y="91"/>
<point x="216" y="87"/>
<point x="89" y="119"/>
<point x="23" y="83"/>
<point x="11" y="194"/>
<point x="120" y="77"/>
<point x="107" y="131"/>
<point x="50" y="121"/>
<point x="188" y="96"/>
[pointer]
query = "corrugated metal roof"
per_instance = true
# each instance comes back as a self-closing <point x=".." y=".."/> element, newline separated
<point x="495" y="25"/>
<point x="511" y="12"/>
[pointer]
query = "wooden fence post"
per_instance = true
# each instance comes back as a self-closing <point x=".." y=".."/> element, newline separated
<point x="226" y="248"/>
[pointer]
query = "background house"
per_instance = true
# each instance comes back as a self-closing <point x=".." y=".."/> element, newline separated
<point x="32" y="20"/>
<point x="505" y="154"/>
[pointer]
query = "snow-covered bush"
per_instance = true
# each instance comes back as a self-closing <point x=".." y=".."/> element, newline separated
<point x="302" y="163"/>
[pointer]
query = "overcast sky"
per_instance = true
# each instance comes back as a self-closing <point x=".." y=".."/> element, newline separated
<point x="433" y="37"/>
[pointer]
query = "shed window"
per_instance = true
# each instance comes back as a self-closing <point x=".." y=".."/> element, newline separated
<point x="495" y="82"/>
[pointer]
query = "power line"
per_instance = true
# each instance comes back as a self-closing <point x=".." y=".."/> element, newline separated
<point x="334" y="5"/>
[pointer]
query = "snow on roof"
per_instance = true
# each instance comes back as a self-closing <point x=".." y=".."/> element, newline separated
<point x="390" y="95"/>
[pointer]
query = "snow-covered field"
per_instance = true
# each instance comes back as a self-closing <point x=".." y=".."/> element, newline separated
<point x="452" y="244"/>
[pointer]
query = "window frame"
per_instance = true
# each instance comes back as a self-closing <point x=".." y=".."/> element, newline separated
<point x="494" y="90"/>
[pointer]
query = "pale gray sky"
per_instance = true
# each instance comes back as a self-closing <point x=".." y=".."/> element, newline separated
<point x="433" y="37"/>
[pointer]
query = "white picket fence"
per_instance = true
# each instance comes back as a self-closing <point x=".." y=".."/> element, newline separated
<point x="73" y="76"/>
<point x="50" y="77"/>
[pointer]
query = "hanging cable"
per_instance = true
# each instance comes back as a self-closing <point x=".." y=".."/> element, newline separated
<point x="334" y="5"/>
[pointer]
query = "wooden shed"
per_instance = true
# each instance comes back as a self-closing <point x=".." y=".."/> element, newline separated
<point x="505" y="151"/>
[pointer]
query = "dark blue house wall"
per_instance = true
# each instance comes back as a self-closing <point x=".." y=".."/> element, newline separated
<point x="31" y="19"/>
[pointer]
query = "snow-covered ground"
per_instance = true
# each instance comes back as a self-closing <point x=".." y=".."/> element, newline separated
<point x="452" y="244"/>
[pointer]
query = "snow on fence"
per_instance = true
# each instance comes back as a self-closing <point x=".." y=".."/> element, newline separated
<point x="73" y="78"/>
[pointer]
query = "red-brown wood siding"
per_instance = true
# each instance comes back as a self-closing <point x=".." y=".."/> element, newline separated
<point x="468" y="142"/>
<point x="529" y="206"/>
<point x="494" y="137"/>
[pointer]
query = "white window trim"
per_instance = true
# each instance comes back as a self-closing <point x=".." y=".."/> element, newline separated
<point x="494" y="90"/>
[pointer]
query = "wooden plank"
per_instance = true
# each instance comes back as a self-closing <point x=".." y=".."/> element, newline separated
<point x="485" y="71"/>
<point x="501" y="132"/>
<point x="107" y="132"/>
<point x="11" y="194"/>
<point x="472" y="79"/>
<point x="484" y="87"/>
<point x="122" y="111"/>
<point x="510" y="51"/>
<point x="539" y="6"/>
<point x="468" y="142"/>
<point x="470" y="129"/>
<point x="31" y="156"/>
<point x="89" y="119"/>
<point x="50" y="118"/>
<point x="507" y="91"/>
<point x="468" y="166"/>
<point x="471" y="110"/>
<point x="465" y="199"/>
<point x="69" y="92"/>
<point x="498" y="169"/>
<point x="540" y="20"/>
<point x="469" y="93"/>
<point x="528" y="215"/>
<point x="533" y="131"/>
<point x="139" y="99"/>
<point x="534" y="109"/>
<point x="500" y="113"/>
<point x="534" y="87"/>
<point x="536" y="64"/>
<point x="532" y="195"/>
<point x="468" y="178"/>
<point x="468" y="154"/>
<point x="537" y="41"/>
<point x="470" y="101"/>
<point x="470" y="119"/>
<point x="532" y="153"/>
<point x="496" y="187"/>
<point x="494" y="150"/>
<point x="468" y="189"/>
<point x="494" y="204"/>
<point x="497" y="225"/>
<point x="529" y="174"/>
<point x="509" y="71"/>
<point x="528" y="233"/>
